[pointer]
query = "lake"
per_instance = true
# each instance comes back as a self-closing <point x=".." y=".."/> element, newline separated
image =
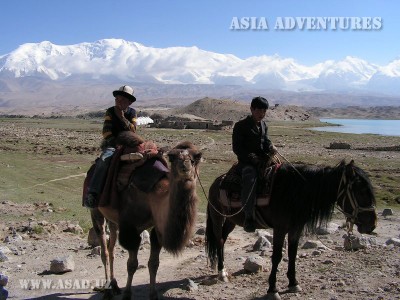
<point x="362" y="126"/>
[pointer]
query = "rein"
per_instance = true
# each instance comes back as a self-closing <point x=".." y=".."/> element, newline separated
<point x="345" y="191"/>
<point x="220" y="213"/>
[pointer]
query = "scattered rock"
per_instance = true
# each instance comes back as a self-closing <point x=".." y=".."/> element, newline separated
<point x="3" y="293"/>
<point x="3" y="280"/>
<point x="74" y="229"/>
<point x="3" y="257"/>
<point x="393" y="241"/>
<point x="254" y="264"/>
<point x="262" y="244"/>
<point x="201" y="231"/>
<point x="339" y="145"/>
<point x="191" y="285"/>
<point x="355" y="243"/>
<point x="313" y="245"/>
<point x="13" y="238"/>
<point x="62" y="264"/>
<point x="5" y="250"/>
<point x="387" y="212"/>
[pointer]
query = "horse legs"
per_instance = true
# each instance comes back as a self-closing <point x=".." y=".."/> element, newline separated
<point x="153" y="263"/>
<point x="293" y="243"/>
<point x="279" y="237"/>
<point x="226" y="230"/>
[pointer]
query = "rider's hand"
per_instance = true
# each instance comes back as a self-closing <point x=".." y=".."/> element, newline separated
<point x="254" y="159"/>
<point x="119" y="112"/>
<point x="273" y="150"/>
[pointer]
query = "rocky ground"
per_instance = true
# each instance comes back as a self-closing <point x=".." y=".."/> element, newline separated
<point x="325" y="270"/>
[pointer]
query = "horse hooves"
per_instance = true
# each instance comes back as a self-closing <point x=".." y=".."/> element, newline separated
<point x="294" y="289"/>
<point x="273" y="296"/>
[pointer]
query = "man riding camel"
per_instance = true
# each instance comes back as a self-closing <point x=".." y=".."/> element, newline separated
<point x="118" y="118"/>
<point x="252" y="146"/>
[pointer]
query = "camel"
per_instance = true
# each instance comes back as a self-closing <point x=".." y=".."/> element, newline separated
<point x="169" y="208"/>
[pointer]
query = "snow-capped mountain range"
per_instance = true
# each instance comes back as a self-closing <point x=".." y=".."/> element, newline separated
<point x="119" y="61"/>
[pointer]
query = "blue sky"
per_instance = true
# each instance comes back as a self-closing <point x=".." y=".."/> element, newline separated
<point x="205" y="24"/>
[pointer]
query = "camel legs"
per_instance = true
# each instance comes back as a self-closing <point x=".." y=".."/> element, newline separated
<point x="111" y="244"/>
<point x="99" y="225"/>
<point x="153" y="263"/>
<point x="130" y="239"/>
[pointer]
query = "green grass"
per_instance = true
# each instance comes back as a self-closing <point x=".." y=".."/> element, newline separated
<point x="44" y="160"/>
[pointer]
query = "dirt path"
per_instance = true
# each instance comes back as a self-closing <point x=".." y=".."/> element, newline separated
<point x="372" y="273"/>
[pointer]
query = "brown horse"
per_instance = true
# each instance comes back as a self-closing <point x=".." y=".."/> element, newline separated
<point x="169" y="208"/>
<point x="302" y="197"/>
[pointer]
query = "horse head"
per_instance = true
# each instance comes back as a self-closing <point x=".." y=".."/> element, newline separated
<point x="184" y="159"/>
<point x="356" y="199"/>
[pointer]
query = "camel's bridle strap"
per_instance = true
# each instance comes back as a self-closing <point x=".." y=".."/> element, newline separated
<point x="345" y="192"/>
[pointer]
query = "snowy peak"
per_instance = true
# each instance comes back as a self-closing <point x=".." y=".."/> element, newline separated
<point x="117" y="59"/>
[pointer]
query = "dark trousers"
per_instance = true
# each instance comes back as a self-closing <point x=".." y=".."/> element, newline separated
<point x="249" y="188"/>
<point x="100" y="172"/>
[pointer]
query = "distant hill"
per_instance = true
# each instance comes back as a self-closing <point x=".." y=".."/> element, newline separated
<point x="220" y="109"/>
<point x="357" y="112"/>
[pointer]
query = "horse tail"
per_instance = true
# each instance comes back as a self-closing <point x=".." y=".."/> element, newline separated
<point x="211" y="241"/>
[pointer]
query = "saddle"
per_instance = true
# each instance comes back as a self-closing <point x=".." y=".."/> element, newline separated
<point x="135" y="162"/>
<point x="230" y="186"/>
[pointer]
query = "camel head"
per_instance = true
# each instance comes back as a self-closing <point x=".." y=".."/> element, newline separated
<point x="184" y="159"/>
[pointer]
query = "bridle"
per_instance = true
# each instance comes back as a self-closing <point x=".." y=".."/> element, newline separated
<point x="346" y="192"/>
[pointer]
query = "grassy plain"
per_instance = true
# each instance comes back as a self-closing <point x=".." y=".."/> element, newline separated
<point x="45" y="160"/>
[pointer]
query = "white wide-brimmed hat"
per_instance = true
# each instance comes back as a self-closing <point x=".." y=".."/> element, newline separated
<point x="125" y="91"/>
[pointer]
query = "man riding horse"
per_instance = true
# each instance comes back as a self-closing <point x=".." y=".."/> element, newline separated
<point x="252" y="147"/>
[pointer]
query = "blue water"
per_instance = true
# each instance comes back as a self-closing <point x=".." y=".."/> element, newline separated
<point x="362" y="126"/>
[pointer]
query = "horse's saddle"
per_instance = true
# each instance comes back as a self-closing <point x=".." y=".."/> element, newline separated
<point x="231" y="186"/>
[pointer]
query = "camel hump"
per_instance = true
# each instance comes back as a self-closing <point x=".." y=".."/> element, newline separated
<point x="129" y="139"/>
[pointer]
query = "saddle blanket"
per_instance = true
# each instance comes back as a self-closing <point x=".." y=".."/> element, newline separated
<point x="230" y="187"/>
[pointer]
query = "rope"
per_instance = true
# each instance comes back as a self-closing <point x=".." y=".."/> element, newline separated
<point x="220" y="213"/>
<point x="297" y="171"/>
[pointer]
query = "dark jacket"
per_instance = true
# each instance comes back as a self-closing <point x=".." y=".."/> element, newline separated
<point x="247" y="139"/>
<point x="112" y="125"/>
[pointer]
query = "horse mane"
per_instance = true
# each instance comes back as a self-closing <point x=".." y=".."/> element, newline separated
<point x="312" y="195"/>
